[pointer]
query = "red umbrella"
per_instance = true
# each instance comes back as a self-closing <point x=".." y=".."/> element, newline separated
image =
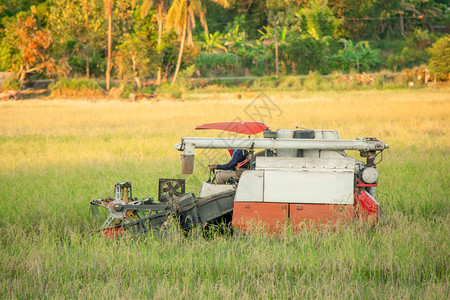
<point x="238" y="127"/>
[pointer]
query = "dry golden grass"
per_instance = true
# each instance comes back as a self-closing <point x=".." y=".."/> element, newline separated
<point x="113" y="128"/>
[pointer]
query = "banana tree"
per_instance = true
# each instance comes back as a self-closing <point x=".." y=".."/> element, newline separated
<point x="359" y="56"/>
<point x="213" y="42"/>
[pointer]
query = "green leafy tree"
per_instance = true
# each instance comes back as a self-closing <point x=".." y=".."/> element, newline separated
<point x="236" y="38"/>
<point x="26" y="46"/>
<point x="356" y="15"/>
<point x="9" y="8"/>
<point x="318" y="20"/>
<point x="359" y="57"/>
<point x="161" y="10"/>
<point x="414" y="52"/>
<point x="305" y="53"/>
<point x="305" y="38"/>
<point x="270" y="41"/>
<point x="427" y="11"/>
<point x="255" y="12"/>
<point x="78" y="28"/>
<point x="267" y="35"/>
<point x="440" y="55"/>
<point x="136" y="57"/>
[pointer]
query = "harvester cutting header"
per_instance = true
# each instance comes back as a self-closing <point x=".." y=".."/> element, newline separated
<point x="303" y="177"/>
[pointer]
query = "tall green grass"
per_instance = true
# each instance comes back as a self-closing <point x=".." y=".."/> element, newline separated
<point x="75" y="88"/>
<point x="58" y="155"/>
<point x="311" y="82"/>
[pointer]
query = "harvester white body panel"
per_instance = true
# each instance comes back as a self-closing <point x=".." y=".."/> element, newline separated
<point x="298" y="180"/>
<point x="209" y="189"/>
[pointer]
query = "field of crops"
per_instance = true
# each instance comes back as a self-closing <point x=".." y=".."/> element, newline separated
<point x="58" y="155"/>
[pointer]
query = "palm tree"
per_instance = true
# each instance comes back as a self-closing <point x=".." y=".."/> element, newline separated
<point x="181" y="17"/>
<point x="161" y="8"/>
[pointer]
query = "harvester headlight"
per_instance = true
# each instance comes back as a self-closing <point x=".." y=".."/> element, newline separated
<point x="370" y="175"/>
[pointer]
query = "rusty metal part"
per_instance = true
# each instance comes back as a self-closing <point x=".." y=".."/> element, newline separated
<point x="170" y="187"/>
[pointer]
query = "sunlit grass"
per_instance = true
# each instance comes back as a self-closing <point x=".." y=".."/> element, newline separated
<point x="58" y="155"/>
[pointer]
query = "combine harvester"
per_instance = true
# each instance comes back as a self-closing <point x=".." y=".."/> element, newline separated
<point x="303" y="177"/>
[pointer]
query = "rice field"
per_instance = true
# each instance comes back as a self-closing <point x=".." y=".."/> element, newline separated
<point x="57" y="155"/>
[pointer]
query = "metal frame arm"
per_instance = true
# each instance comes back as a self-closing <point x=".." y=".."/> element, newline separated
<point x="188" y="144"/>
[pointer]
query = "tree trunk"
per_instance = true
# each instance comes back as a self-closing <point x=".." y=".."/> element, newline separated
<point x="402" y="25"/>
<point x="135" y="74"/>
<point x="86" y="44"/>
<point x="276" y="48"/>
<point x="159" y="17"/>
<point x="87" y="66"/>
<point x="22" y="73"/>
<point x="108" y="66"/>
<point x="180" y="55"/>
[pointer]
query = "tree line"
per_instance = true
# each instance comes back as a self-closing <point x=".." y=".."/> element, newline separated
<point x="136" y="39"/>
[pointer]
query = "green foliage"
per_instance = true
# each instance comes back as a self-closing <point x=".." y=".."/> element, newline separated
<point x="305" y="53"/>
<point x="312" y="82"/>
<point x="359" y="57"/>
<point x="440" y="55"/>
<point x="75" y="88"/>
<point x="353" y="11"/>
<point x="73" y="36"/>
<point x="169" y="91"/>
<point x="11" y="84"/>
<point x="235" y="38"/>
<point x="186" y="74"/>
<point x="414" y="51"/>
<point x="133" y="57"/>
<point x="213" y="42"/>
<point x="126" y="88"/>
<point x="394" y="62"/>
<point x="253" y="15"/>
<point x="318" y="20"/>
<point x="7" y="54"/>
<point x="217" y="16"/>
<point x="176" y="91"/>
<point x="9" y="8"/>
<point x="305" y="44"/>
<point x="26" y="46"/>
<point x="80" y="31"/>
<point x="218" y="64"/>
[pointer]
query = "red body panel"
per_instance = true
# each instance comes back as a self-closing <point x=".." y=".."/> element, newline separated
<point x="250" y="216"/>
<point x="271" y="217"/>
<point x="359" y="183"/>
<point x="367" y="209"/>
<point x="238" y="127"/>
<point x="113" y="232"/>
<point x="319" y="214"/>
